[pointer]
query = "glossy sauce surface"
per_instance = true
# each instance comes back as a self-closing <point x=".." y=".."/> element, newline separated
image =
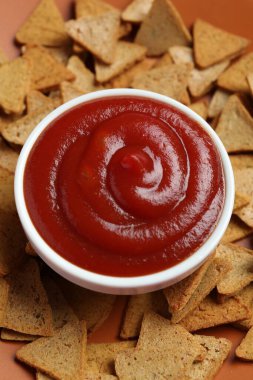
<point x="124" y="186"/>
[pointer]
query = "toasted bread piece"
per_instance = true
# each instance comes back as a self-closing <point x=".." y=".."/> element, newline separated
<point x="170" y="80"/>
<point x="245" y="349"/>
<point x="162" y="28"/>
<point x="217" y="350"/>
<point x="15" y="83"/>
<point x="45" y="26"/>
<point x="28" y="310"/>
<point x="47" y="72"/>
<point x="235" y="77"/>
<point x="98" y="34"/>
<point x="236" y="230"/>
<point x="59" y="356"/>
<point x="137" y="10"/>
<point x="217" y="102"/>
<point x="126" y="55"/>
<point x="209" y="313"/>
<point x="235" y="126"/>
<point x="240" y="273"/>
<point x="213" y="45"/>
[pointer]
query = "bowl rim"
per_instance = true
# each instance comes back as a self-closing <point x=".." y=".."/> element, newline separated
<point x="114" y="284"/>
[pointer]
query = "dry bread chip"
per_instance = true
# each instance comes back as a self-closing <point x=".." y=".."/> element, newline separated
<point x="125" y="79"/>
<point x="245" y="349"/>
<point x="4" y="291"/>
<point x="16" y="336"/>
<point x="243" y="180"/>
<point x="45" y="26"/>
<point x="241" y="161"/>
<point x="126" y="54"/>
<point x="137" y="306"/>
<point x="15" y="83"/>
<point x="235" y="77"/>
<point x="236" y="230"/>
<point x="245" y="213"/>
<point x="18" y="131"/>
<point x="215" y="271"/>
<point x="168" y="80"/>
<point x="179" y="294"/>
<point x="162" y="28"/>
<point x="200" y="108"/>
<point x="201" y="81"/>
<point x="98" y="34"/>
<point x="61" y="311"/>
<point x="92" y="8"/>
<point x="84" y="78"/>
<point x="240" y="273"/>
<point x="181" y="54"/>
<point x="241" y="200"/>
<point x="250" y="81"/>
<point x="246" y="297"/>
<point x="98" y="376"/>
<point x="159" y="333"/>
<point x="7" y="201"/>
<point x="47" y="72"/>
<point x="217" y="103"/>
<point x="12" y="242"/>
<point x="90" y="306"/>
<point x="35" y="100"/>
<point x="69" y="91"/>
<point x="59" y="356"/>
<point x="235" y="126"/>
<point x="101" y="356"/>
<point x="217" y="350"/>
<point x="60" y="53"/>
<point x="137" y="10"/>
<point x="27" y="309"/>
<point x="151" y="364"/>
<point x="3" y="58"/>
<point x="210" y="313"/>
<point x="213" y="45"/>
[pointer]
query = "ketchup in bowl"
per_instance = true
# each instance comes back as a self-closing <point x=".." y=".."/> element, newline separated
<point x="124" y="186"/>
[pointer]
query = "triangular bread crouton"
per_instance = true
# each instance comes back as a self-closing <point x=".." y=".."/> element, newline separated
<point x="8" y="157"/>
<point x="15" y="84"/>
<point x="35" y="100"/>
<point x="98" y="34"/>
<point x="235" y="77"/>
<point x="18" y="131"/>
<point x="241" y="200"/>
<point x="162" y="28"/>
<point x="246" y="296"/>
<point x="45" y="26"/>
<point x="200" y="108"/>
<point x="217" y="350"/>
<point x="27" y="309"/>
<point x="201" y="81"/>
<point x="84" y="78"/>
<point x="4" y="291"/>
<point x="215" y="271"/>
<point x="235" y="126"/>
<point x="137" y="306"/>
<point x="161" y="334"/>
<point x="245" y="349"/>
<point x="126" y="55"/>
<point x="240" y="273"/>
<point x="47" y="72"/>
<point x="213" y="45"/>
<point x="209" y="313"/>
<point x="236" y="230"/>
<point x="59" y="356"/>
<point x="170" y="80"/>
<point x="136" y="11"/>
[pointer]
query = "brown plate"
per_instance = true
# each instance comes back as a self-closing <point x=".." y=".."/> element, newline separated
<point x="232" y="15"/>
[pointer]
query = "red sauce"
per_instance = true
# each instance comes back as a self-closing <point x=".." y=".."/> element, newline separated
<point x="124" y="186"/>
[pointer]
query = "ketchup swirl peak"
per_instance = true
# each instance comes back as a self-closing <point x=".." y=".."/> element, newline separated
<point x="124" y="186"/>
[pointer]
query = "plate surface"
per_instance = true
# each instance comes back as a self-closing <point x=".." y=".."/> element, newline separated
<point x="232" y="15"/>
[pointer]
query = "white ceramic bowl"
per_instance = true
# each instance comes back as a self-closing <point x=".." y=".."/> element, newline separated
<point x="110" y="284"/>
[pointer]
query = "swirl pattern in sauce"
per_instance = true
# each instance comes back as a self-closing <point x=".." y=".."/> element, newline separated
<point x="124" y="186"/>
